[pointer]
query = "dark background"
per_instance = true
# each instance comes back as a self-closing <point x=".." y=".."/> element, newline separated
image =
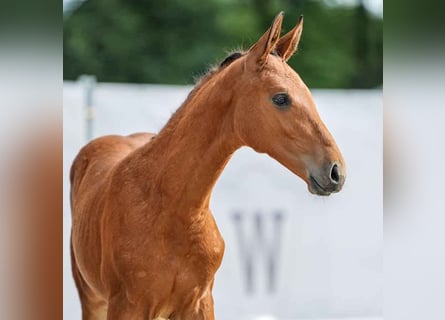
<point x="175" y="41"/>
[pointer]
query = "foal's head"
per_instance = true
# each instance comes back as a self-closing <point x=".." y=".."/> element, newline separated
<point x="275" y="113"/>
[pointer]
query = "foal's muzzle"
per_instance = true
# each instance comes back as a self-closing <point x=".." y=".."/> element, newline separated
<point x="329" y="180"/>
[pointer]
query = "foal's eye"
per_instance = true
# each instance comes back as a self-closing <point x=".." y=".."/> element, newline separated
<point x="281" y="100"/>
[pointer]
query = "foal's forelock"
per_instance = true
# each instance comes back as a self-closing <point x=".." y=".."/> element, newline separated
<point x="230" y="58"/>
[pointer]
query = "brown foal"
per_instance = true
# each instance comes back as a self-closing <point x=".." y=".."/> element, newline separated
<point x="144" y="243"/>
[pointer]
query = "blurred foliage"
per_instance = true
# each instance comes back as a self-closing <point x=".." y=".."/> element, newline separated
<point x="173" y="41"/>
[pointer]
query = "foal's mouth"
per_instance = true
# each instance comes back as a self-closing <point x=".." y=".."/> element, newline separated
<point x="315" y="188"/>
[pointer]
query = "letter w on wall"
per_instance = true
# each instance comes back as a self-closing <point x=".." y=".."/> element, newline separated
<point x="259" y="245"/>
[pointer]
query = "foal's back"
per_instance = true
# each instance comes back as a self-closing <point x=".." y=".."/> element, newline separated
<point x="97" y="158"/>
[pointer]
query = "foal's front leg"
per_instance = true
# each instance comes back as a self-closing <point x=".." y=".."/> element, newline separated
<point x="204" y="312"/>
<point x="206" y="309"/>
<point x="119" y="308"/>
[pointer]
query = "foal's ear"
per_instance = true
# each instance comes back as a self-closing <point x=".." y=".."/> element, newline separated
<point x="288" y="44"/>
<point x="266" y="44"/>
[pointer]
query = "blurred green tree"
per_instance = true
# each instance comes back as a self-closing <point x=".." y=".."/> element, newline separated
<point x="173" y="41"/>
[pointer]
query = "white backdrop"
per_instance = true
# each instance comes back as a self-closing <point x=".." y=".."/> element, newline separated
<point x="310" y="257"/>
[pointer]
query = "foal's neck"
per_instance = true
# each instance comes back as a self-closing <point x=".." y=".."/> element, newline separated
<point x="186" y="158"/>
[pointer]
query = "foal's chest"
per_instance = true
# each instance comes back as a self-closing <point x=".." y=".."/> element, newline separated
<point x="205" y="247"/>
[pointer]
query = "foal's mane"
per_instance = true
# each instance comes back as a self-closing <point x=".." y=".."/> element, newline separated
<point x="212" y="71"/>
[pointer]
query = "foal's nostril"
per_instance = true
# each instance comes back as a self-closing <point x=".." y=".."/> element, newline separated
<point x="335" y="176"/>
